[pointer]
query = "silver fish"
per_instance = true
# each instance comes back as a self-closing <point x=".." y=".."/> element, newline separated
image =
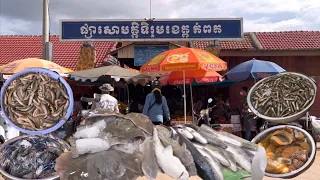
<point x="196" y="135"/>
<point x="214" y="140"/>
<point x="229" y="138"/>
<point x="148" y="165"/>
<point x="232" y="161"/>
<point x="202" y="164"/>
<point x="179" y="151"/>
<point x="214" y="152"/>
<point x="214" y="164"/>
<point x="186" y="133"/>
<point x="218" y="155"/>
<point x="250" y="153"/>
<point x="244" y="143"/>
<point x="226" y="139"/>
<point x="240" y="156"/>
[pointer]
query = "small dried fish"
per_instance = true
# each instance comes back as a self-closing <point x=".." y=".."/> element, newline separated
<point x="282" y="95"/>
<point x="32" y="101"/>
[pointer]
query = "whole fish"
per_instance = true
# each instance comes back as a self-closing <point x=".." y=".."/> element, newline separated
<point x="148" y="165"/>
<point x="214" y="152"/>
<point x="191" y="168"/>
<point x="229" y="138"/>
<point x="179" y="151"/>
<point x="250" y="153"/>
<point x="240" y="156"/>
<point x="244" y="143"/>
<point x="186" y="133"/>
<point x="226" y="139"/>
<point x="170" y="164"/>
<point x="214" y="140"/>
<point x="197" y="136"/>
<point x="202" y="164"/>
<point x="232" y="161"/>
<point x="214" y="163"/>
<point x="219" y="156"/>
<point x="193" y="126"/>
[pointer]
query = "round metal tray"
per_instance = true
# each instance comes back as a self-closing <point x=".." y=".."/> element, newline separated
<point x="310" y="140"/>
<point x="286" y="119"/>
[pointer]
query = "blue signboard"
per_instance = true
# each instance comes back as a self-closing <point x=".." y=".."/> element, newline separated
<point x="142" y="54"/>
<point x="156" y="30"/>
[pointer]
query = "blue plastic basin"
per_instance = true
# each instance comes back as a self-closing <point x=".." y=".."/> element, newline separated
<point x="54" y="76"/>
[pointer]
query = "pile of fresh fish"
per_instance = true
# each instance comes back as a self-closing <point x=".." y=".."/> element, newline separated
<point x="113" y="146"/>
<point x="282" y="95"/>
<point x="217" y="153"/>
<point x="32" y="157"/>
<point x="36" y="101"/>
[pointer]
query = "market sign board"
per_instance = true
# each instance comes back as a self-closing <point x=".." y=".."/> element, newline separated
<point x="155" y="30"/>
<point x="143" y="53"/>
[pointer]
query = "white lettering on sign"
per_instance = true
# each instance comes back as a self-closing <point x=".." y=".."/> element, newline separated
<point x="99" y="30"/>
<point x="145" y="29"/>
<point x="160" y="29"/>
<point x="152" y="31"/>
<point x="185" y="31"/>
<point x="197" y="29"/>
<point x="175" y="29"/>
<point x="134" y="30"/>
<point x="113" y="30"/>
<point x="217" y="29"/>
<point x="168" y="29"/>
<point x="124" y="29"/>
<point x="207" y="29"/>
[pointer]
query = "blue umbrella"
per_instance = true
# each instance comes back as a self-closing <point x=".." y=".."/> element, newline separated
<point x="256" y="69"/>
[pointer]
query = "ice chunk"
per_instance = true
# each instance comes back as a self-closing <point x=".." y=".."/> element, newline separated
<point x="91" y="145"/>
<point x="129" y="147"/>
<point x="100" y="124"/>
<point x="89" y="132"/>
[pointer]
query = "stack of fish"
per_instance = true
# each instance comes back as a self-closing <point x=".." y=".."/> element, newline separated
<point x="113" y="146"/>
<point x="220" y="150"/>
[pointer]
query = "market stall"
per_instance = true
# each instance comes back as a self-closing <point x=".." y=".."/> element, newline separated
<point x="183" y="59"/>
<point x="114" y="146"/>
<point x="199" y="76"/>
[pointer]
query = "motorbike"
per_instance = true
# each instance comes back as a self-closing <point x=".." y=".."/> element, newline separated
<point x="204" y="114"/>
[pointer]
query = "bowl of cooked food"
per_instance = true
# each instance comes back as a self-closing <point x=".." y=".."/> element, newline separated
<point x="36" y="101"/>
<point x="282" y="98"/>
<point x="31" y="157"/>
<point x="290" y="150"/>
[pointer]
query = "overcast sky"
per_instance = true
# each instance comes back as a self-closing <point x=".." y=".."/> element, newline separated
<point x="25" y="16"/>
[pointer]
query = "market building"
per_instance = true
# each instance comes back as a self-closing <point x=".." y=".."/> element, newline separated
<point x="296" y="51"/>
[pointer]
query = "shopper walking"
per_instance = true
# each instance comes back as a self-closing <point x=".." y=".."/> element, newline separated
<point x="156" y="107"/>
